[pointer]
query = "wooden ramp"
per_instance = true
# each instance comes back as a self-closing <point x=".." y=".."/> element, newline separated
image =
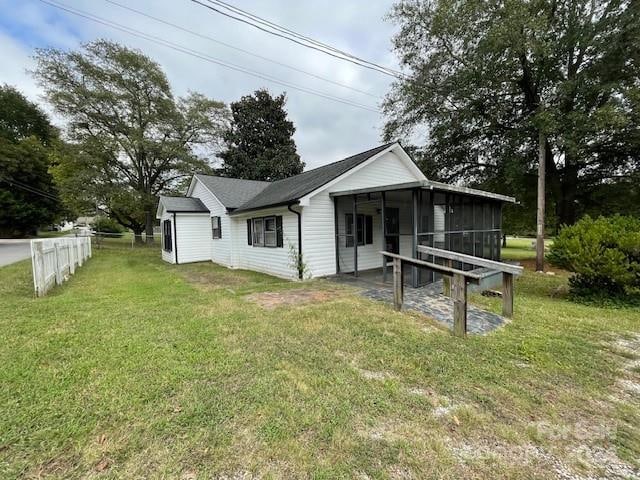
<point x="456" y="280"/>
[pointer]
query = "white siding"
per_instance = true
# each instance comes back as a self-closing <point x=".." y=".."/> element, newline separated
<point x="274" y="261"/>
<point x="193" y="242"/>
<point x="318" y="236"/>
<point x="167" y="256"/>
<point x="387" y="169"/>
<point x="221" y="248"/>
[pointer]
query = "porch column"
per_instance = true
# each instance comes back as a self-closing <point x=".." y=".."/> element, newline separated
<point x="335" y="227"/>
<point x="414" y="236"/>
<point x="355" y="236"/>
<point x="384" y="239"/>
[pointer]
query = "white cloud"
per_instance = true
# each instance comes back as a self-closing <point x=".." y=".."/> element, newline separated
<point x="326" y="130"/>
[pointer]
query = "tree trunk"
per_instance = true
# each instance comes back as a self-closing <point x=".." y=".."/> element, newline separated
<point x="541" y="202"/>
<point x="504" y="240"/>
<point x="137" y="233"/>
<point x="149" y="226"/>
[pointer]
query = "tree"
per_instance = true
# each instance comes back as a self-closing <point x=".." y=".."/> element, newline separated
<point x="259" y="140"/>
<point x="487" y="78"/>
<point x="28" y="197"/>
<point x="135" y="139"/>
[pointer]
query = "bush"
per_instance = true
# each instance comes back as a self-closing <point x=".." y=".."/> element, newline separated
<point x="108" y="225"/>
<point x="603" y="253"/>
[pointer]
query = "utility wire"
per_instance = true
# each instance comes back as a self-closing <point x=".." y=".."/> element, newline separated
<point x="31" y="188"/>
<point x="354" y="60"/>
<point x="28" y="188"/>
<point x="205" y="57"/>
<point x="300" y="36"/>
<point x="248" y="52"/>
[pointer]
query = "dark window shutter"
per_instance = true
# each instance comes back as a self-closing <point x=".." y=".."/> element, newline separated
<point x="220" y="227"/>
<point x="368" y="229"/>
<point x="249" y="239"/>
<point x="279" y="242"/>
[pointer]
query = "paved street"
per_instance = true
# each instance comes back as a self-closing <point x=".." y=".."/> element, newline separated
<point x="12" y="251"/>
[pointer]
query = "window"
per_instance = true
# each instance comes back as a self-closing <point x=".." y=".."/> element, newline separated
<point x="216" y="227"/>
<point x="270" y="232"/>
<point x="265" y="231"/>
<point x="364" y="229"/>
<point x="258" y="237"/>
<point x="166" y="236"/>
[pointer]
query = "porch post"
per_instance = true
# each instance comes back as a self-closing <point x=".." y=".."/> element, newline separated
<point x="384" y="239"/>
<point x="459" y="292"/>
<point x="414" y="236"/>
<point x="355" y="237"/>
<point x="335" y="227"/>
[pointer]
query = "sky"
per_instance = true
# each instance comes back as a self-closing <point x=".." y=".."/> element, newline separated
<point x="326" y="130"/>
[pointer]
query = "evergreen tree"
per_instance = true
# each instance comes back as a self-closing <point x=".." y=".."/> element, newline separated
<point x="259" y="141"/>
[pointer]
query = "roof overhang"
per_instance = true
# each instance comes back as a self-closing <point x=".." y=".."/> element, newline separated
<point x="427" y="185"/>
<point x="238" y="212"/>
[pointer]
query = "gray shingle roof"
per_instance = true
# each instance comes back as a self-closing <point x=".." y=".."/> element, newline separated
<point x="183" y="204"/>
<point x="232" y="192"/>
<point x="290" y="189"/>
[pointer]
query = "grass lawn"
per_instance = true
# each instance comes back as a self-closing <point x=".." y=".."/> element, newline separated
<point x="519" y="248"/>
<point x="140" y="369"/>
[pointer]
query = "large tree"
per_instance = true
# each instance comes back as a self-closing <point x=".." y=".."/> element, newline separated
<point x="259" y="140"/>
<point x="487" y="78"/>
<point x="28" y="197"/>
<point x="135" y="140"/>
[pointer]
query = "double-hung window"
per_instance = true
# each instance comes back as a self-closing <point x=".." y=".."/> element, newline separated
<point x="216" y="227"/>
<point x="258" y="232"/>
<point x="265" y="231"/>
<point x="270" y="239"/>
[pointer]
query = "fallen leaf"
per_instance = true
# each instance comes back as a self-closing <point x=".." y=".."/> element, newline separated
<point x="102" y="465"/>
<point x="455" y="420"/>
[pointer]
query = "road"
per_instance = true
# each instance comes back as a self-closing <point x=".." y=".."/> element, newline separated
<point x="12" y="251"/>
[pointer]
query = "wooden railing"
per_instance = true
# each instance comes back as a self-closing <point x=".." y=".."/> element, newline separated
<point x="460" y="278"/>
<point x="508" y="271"/>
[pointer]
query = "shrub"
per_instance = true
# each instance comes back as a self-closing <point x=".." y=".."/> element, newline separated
<point x="603" y="253"/>
<point x="108" y="225"/>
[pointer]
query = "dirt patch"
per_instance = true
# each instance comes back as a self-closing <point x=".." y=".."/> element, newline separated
<point x="628" y="385"/>
<point x="597" y="461"/>
<point x="271" y="300"/>
<point x="213" y="280"/>
<point x="371" y="375"/>
<point x="388" y="430"/>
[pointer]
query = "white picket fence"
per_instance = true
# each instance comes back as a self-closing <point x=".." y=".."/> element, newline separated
<point x="54" y="259"/>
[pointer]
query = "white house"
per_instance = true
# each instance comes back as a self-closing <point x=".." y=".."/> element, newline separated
<point x="339" y="216"/>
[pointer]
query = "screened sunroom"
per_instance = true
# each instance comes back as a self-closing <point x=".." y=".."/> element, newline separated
<point x="398" y="218"/>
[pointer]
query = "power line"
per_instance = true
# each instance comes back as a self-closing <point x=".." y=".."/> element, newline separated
<point x="300" y="36"/>
<point x="205" y="57"/>
<point x="248" y="52"/>
<point x="28" y="188"/>
<point x="329" y="51"/>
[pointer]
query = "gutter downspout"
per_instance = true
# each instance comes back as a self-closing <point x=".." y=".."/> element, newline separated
<point x="175" y="237"/>
<point x="299" y="214"/>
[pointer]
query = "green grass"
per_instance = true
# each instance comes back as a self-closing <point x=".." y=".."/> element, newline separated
<point x="140" y="369"/>
<point x="519" y="248"/>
